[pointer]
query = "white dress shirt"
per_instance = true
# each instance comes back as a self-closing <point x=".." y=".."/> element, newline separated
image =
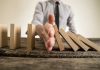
<point x="43" y="9"/>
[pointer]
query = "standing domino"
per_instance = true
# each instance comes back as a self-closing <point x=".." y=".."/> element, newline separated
<point x="31" y="37"/>
<point x="3" y="36"/>
<point x="15" y="36"/>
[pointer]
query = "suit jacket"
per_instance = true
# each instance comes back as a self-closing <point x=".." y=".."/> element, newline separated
<point x="43" y="9"/>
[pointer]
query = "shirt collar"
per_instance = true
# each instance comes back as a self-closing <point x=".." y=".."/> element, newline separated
<point x="55" y="1"/>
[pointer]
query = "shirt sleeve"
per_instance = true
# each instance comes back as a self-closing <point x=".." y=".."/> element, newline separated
<point x="38" y="15"/>
<point x="70" y="21"/>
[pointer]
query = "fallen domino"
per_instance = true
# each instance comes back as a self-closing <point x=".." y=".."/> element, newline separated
<point x="68" y="40"/>
<point x="89" y="43"/>
<point x="76" y="40"/>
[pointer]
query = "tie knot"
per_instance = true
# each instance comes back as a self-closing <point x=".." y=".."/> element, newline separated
<point x="57" y="2"/>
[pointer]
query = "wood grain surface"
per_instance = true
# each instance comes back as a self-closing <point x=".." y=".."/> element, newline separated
<point x="27" y="63"/>
<point x="15" y="63"/>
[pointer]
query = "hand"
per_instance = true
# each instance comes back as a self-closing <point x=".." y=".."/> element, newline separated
<point x="47" y="33"/>
<point x="50" y="32"/>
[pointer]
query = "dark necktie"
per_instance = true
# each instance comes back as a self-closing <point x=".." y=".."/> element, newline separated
<point x="57" y="14"/>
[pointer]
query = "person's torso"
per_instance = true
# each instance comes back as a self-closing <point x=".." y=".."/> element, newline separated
<point x="48" y="7"/>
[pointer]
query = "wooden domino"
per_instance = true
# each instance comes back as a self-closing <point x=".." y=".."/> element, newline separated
<point x="3" y="36"/>
<point x="31" y="37"/>
<point x="68" y="40"/>
<point x="76" y="40"/>
<point x="15" y="36"/>
<point x="58" y="38"/>
<point x="89" y="43"/>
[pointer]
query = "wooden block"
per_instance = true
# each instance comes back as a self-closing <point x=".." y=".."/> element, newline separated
<point x="3" y="36"/>
<point x="68" y="40"/>
<point x="15" y="35"/>
<point x="58" y="38"/>
<point x="76" y="40"/>
<point x="89" y="43"/>
<point x="31" y="37"/>
<point x="66" y="45"/>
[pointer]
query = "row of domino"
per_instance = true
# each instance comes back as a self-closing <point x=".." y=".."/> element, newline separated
<point x="74" y="41"/>
<point x="15" y="36"/>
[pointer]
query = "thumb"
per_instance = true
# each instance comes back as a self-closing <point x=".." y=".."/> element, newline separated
<point x="51" y="19"/>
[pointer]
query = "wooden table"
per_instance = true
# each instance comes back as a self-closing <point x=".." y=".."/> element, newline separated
<point x="15" y="63"/>
<point x="26" y="63"/>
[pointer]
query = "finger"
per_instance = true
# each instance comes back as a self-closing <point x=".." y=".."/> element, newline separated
<point x="51" y="19"/>
<point x="47" y="27"/>
<point x="51" y="32"/>
<point x="42" y="33"/>
<point x="50" y="43"/>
